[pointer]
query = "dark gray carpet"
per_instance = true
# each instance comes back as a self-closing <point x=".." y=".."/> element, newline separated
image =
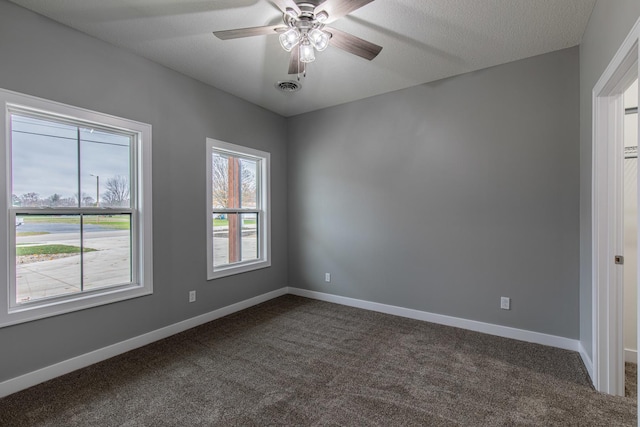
<point x="631" y="380"/>
<point x="295" y="361"/>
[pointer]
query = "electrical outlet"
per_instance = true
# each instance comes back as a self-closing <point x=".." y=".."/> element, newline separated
<point x="505" y="303"/>
<point x="192" y="296"/>
<point x="327" y="277"/>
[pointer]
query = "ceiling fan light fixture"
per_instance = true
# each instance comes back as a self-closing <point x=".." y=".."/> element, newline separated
<point x="319" y="39"/>
<point x="304" y="31"/>
<point x="307" y="53"/>
<point x="289" y="39"/>
<point x="322" y="16"/>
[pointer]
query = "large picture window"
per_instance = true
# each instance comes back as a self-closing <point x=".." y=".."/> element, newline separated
<point x="237" y="209"/>
<point x="79" y="221"/>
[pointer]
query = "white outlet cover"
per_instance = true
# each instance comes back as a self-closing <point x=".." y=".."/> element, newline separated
<point x="505" y="303"/>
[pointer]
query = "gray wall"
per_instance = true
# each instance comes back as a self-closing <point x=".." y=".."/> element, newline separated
<point x="45" y="59"/>
<point x="441" y="197"/>
<point x="608" y="26"/>
<point x="445" y="196"/>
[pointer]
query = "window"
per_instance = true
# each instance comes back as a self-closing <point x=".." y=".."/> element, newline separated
<point x="237" y="209"/>
<point x="78" y="208"/>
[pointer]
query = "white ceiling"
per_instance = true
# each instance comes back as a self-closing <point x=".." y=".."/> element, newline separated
<point x="423" y="41"/>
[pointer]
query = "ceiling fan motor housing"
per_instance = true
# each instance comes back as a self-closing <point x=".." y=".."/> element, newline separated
<point x="306" y="20"/>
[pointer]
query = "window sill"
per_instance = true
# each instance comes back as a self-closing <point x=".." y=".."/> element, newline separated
<point x="238" y="269"/>
<point x="40" y="310"/>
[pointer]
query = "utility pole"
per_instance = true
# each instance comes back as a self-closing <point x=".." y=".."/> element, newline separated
<point x="235" y="228"/>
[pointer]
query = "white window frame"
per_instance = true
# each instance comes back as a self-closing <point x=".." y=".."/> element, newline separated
<point x="263" y="210"/>
<point x="141" y="211"/>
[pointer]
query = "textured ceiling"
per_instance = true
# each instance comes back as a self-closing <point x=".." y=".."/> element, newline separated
<point x="423" y="41"/>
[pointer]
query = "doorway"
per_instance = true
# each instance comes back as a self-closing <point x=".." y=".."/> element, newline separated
<point x="608" y="354"/>
<point x="630" y="252"/>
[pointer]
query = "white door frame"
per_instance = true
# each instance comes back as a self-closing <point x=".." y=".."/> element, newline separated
<point x="607" y="215"/>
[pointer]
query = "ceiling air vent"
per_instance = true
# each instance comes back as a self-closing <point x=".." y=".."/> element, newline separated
<point x="288" y="86"/>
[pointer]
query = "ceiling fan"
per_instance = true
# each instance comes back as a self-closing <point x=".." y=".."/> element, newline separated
<point x="304" y="30"/>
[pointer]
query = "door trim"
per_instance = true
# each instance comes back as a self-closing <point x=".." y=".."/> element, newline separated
<point x="607" y="211"/>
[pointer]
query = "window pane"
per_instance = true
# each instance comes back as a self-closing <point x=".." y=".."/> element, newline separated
<point x="220" y="240"/>
<point x="249" y="183"/>
<point x="44" y="162"/>
<point x="105" y="168"/>
<point x="47" y="256"/>
<point x="249" y="237"/>
<point x="220" y="180"/>
<point x="234" y="182"/>
<point x="235" y="238"/>
<point x="110" y="263"/>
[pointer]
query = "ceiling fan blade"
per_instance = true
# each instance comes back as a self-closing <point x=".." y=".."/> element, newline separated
<point x="283" y="5"/>
<point x="295" y="66"/>
<point x="353" y="44"/>
<point x="247" y="32"/>
<point x="339" y="8"/>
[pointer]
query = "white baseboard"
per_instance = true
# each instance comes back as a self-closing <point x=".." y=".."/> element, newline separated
<point x="630" y="356"/>
<point x="587" y="361"/>
<point x="41" y="375"/>
<point x="36" y="377"/>
<point x="487" y="328"/>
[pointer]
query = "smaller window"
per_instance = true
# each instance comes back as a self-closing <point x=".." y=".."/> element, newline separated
<point x="237" y="209"/>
